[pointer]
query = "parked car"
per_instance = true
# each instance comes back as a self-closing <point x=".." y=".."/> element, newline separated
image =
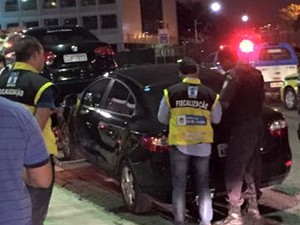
<point x="74" y="57"/>
<point x="113" y="122"/>
<point x="288" y="91"/>
<point x="275" y="61"/>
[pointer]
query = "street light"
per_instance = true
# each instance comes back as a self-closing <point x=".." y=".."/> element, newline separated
<point x="214" y="7"/>
<point x="245" y="18"/>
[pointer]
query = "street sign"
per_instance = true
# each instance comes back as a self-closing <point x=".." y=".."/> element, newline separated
<point x="163" y="35"/>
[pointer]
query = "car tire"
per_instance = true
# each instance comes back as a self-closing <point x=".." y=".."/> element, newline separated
<point x="135" y="201"/>
<point x="290" y="98"/>
<point x="67" y="145"/>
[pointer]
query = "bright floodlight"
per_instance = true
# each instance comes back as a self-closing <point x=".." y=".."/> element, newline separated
<point x="245" y="18"/>
<point x="215" y="6"/>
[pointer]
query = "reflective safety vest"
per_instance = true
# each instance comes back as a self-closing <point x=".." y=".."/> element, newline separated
<point x="22" y="84"/>
<point x="190" y="104"/>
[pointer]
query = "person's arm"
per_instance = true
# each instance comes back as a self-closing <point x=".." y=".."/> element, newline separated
<point x="40" y="177"/>
<point x="163" y="114"/>
<point x="44" y="107"/>
<point x="229" y="89"/>
<point x="38" y="172"/>
<point x="216" y="113"/>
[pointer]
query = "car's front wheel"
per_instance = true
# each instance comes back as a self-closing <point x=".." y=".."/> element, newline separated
<point x="67" y="145"/>
<point x="136" y="201"/>
<point x="290" y="98"/>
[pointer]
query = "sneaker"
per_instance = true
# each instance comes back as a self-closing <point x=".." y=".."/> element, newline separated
<point x="232" y="219"/>
<point x="252" y="209"/>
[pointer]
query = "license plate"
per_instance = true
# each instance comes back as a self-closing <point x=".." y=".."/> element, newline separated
<point x="275" y="84"/>
<point x="79" y="57"/>
<point x="222" y="150"/>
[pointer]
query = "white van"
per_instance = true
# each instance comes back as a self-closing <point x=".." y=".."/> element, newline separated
<point x="275" y="61"/>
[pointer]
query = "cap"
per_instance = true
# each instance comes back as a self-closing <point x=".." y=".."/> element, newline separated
<point x="187" y="65"/>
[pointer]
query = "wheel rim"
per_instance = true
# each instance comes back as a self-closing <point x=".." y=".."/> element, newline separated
<point x="127" y="185"/>
<point x="66" y="141"/>
<point x="290" y="99"/>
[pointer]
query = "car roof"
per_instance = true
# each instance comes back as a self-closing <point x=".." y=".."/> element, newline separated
<point x="167" y="74"/>
<point x="54" y="28"/>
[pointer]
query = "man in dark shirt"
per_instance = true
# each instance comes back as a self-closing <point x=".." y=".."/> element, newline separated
<point x="242" y="98"/>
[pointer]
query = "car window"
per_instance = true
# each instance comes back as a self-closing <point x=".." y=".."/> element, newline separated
<point x="120" y="99"/>
<point x="210" y="59"/>
<point x="65" y="37"/>
<point x="94" y="94"/>
<point x="274" y="54"/>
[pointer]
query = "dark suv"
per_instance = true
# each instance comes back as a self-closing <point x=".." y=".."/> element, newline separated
<point x="73" y="56"/>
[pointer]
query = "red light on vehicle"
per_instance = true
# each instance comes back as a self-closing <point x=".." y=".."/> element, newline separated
<point x="104" y="50"/>
<point x="278" y="128"/>
<point x="288" y="163"/>
<point x="155" y="144"/>
<point x="246" y="46"/>
<point x="49" y="58"/>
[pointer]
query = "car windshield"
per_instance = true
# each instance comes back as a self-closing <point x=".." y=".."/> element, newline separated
<point x="274" y="54"/>
<point x="65" y="37"/>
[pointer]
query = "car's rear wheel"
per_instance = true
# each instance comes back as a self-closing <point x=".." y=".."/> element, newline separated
<point x="136" y="201"/>
<point x="290" y="98"/>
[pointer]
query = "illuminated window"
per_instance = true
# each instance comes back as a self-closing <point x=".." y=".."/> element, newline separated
<point x="88" y="2"/>
<point x="11" y="5"/>
<point x="70" y="21"/>
<point x="108" y="21"/>
<point x="90" y="22"/>
<point x="48" y="4"/>
<point x="28" y="5"/>
<point x="68" y="3"/>
<point x="103" y="2"/>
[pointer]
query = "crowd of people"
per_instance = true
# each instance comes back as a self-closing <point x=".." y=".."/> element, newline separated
<point x="27" y="194"/>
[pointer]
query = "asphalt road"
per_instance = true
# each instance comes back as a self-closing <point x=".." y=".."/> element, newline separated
<point x="279" y="204"/>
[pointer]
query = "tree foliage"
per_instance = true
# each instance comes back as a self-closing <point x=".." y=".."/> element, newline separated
<point x="290" y="12"/>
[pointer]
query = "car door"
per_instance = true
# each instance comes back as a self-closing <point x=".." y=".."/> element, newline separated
<point x="87" y="114"/>
<point x="119" y="105"/>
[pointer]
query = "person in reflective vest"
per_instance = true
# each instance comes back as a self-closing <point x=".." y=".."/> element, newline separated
<point x="25" y="85"/>
<point x="189" y="108"/>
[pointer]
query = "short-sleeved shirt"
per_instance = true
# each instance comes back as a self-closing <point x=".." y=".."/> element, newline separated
<point x="21" y="144"/>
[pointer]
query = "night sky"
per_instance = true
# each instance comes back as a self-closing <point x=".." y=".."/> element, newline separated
<point x="260" y="11"/>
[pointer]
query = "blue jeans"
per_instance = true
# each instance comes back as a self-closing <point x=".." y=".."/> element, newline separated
<point x="179" y="168"/>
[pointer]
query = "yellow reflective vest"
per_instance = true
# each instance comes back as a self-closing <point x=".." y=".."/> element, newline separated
<point x="23" y="84"/>
<point x="190" y="104"/>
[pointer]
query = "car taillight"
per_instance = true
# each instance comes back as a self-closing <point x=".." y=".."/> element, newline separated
<point x="278" y="128"/>
<point x="104" y="50"/>
<point x="155" y="144"/>
<point x="288" y="163"/>
<point x="49" y="58"/>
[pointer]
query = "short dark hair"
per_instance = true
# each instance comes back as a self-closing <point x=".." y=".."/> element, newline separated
<point x="227" y="53"/>
<point x="25" y="47"/>
<point x="187" y="66"/>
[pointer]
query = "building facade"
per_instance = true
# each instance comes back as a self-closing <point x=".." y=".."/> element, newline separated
<point x="122" y="23"/>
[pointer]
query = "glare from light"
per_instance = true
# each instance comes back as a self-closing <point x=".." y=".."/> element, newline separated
<point x="245" y="18"/>
<point x="215" y="6"/>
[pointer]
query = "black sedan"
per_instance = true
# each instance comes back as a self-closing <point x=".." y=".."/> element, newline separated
<point x="74" y="56"/>
<point x="114" y="123"/>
